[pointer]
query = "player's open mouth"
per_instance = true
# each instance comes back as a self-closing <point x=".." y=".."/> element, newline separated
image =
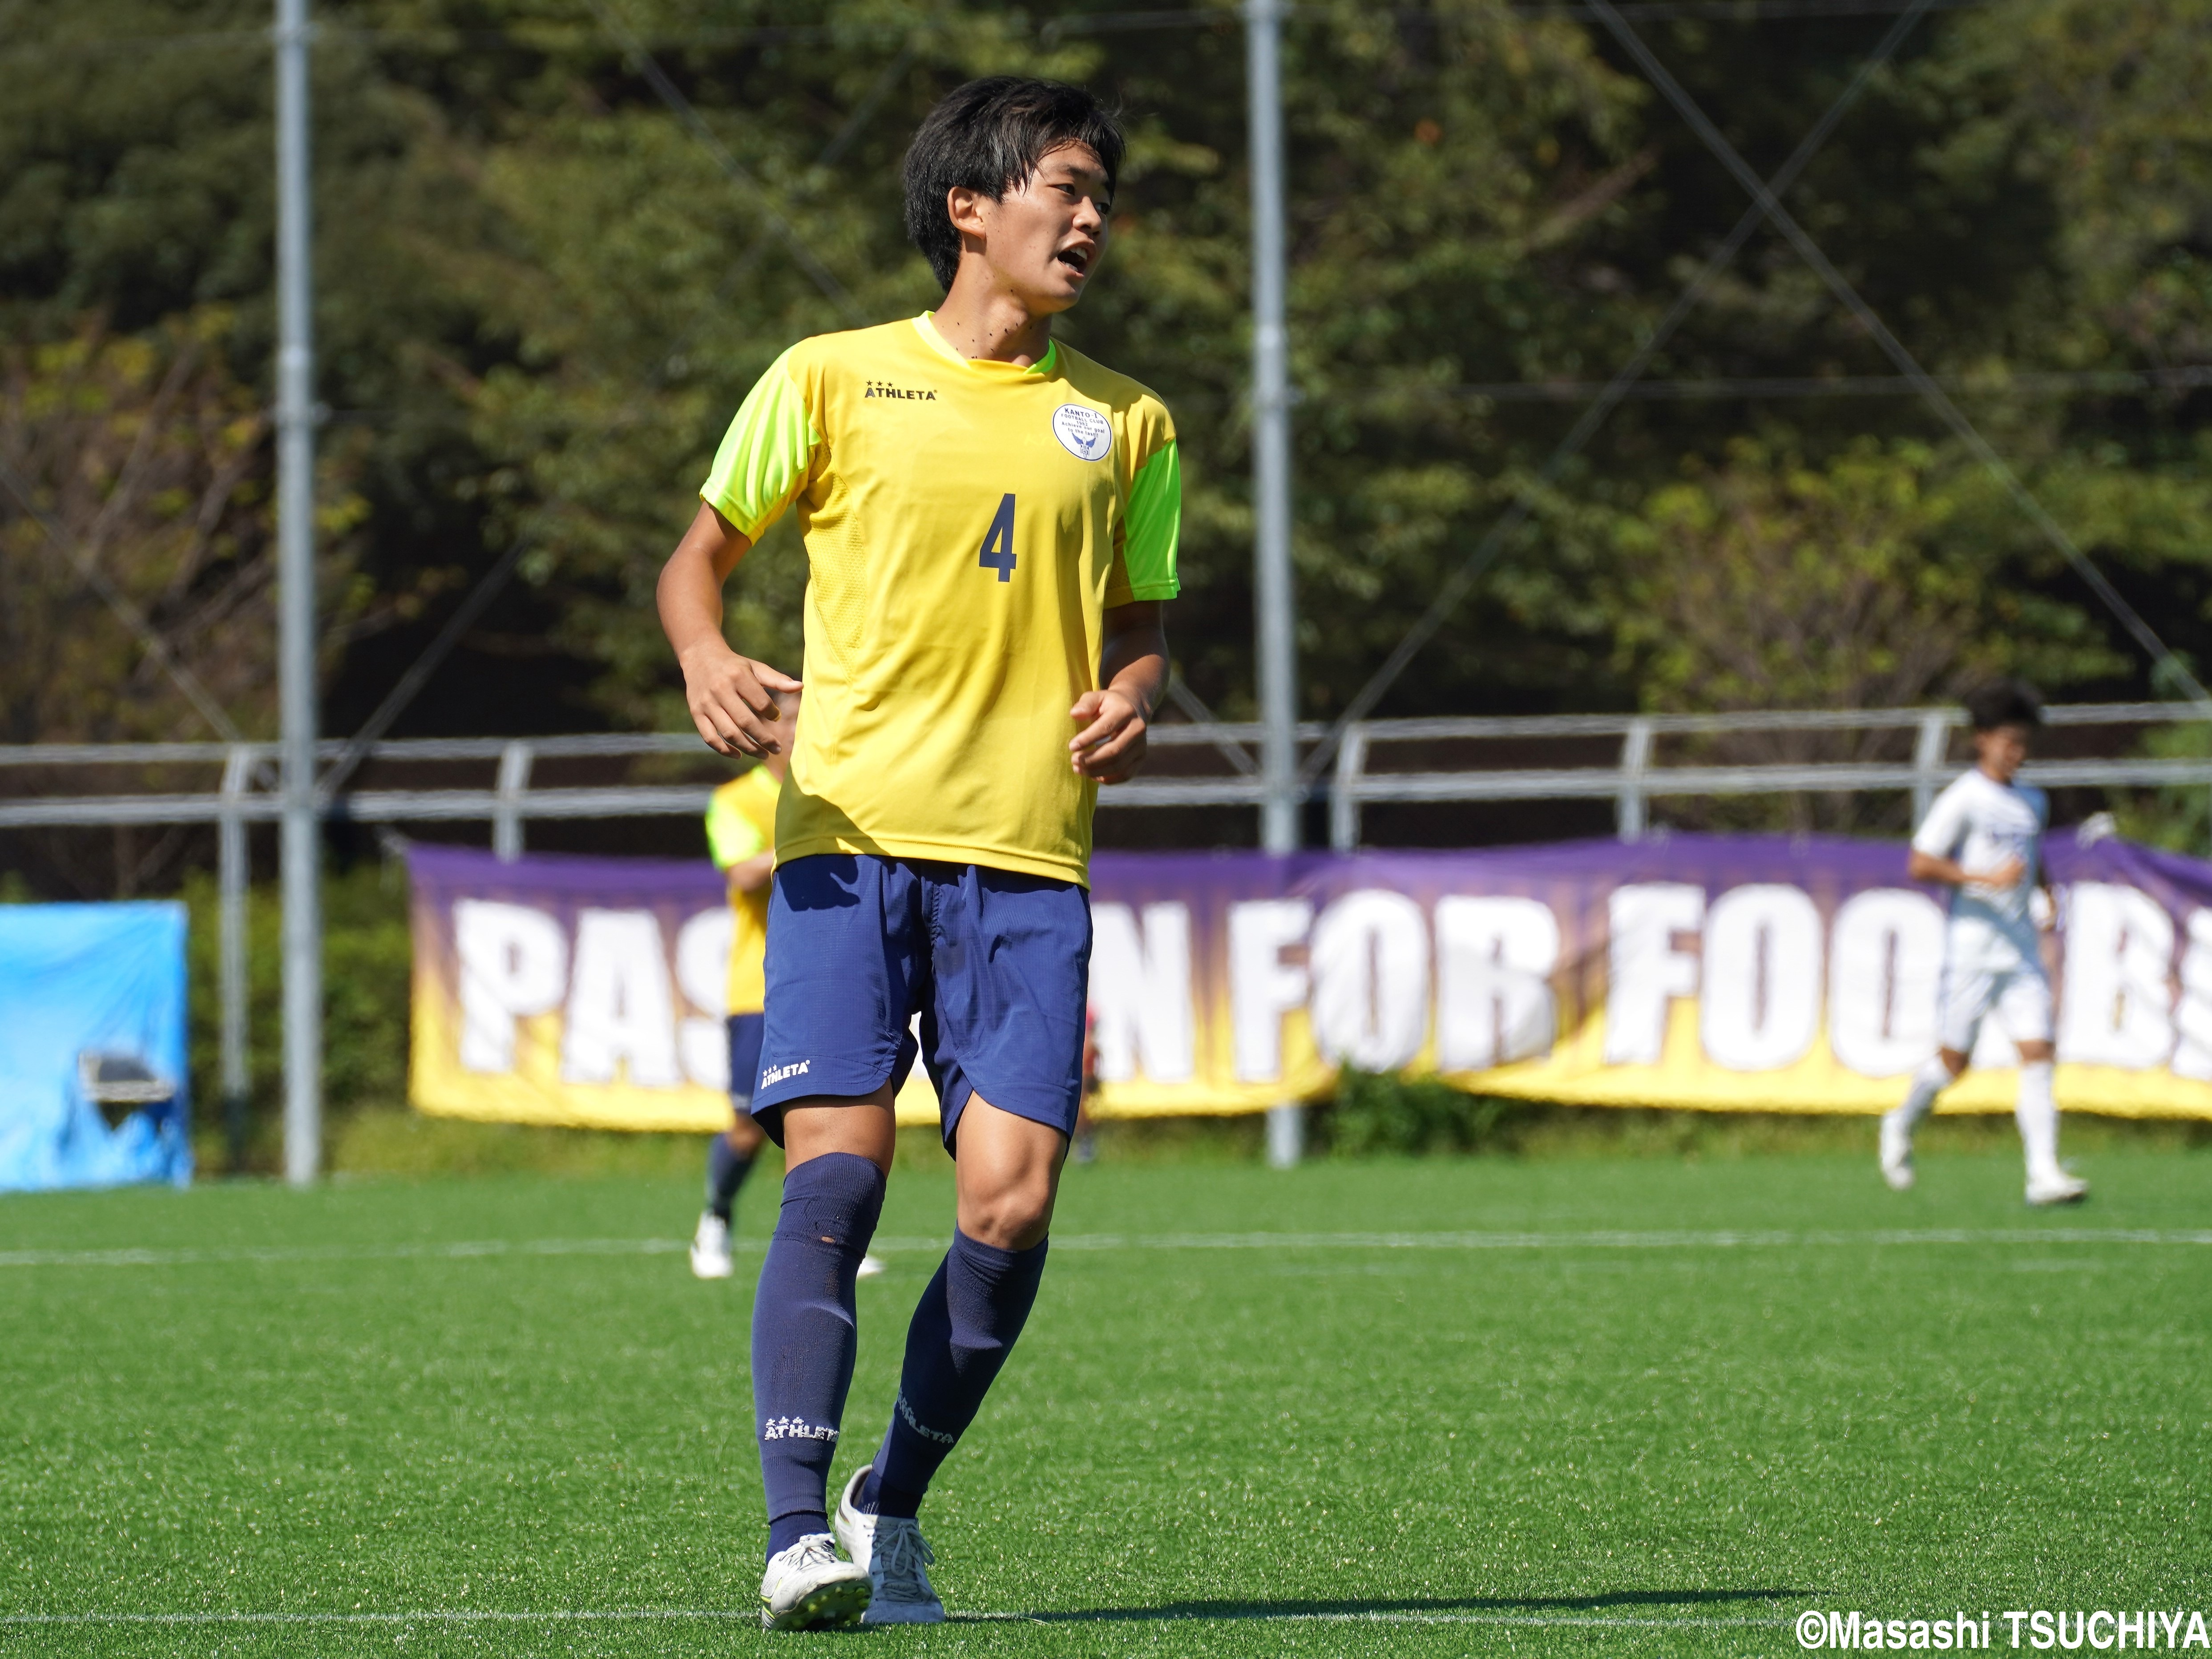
<point x="1076" y="260"/>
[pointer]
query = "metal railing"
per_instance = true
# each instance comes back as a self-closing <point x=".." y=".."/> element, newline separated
<point x="247" y="788"/>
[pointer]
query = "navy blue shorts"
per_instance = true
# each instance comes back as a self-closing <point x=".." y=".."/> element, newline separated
<point x="997" y="964"/>
<point x="744" y="1058"/>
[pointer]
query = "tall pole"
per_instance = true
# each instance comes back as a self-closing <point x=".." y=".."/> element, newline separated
<point x="1271" y="433"/>
<point x="1271" y="479"/>
<point x="296" y="597"/>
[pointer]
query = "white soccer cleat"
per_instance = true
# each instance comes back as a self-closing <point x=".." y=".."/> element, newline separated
<point x="806" y="1587"/>
<point x="895" y="1554"/>
<point x="710" y="1248"/>
<point x="2056" y="1187"/>
<point x="1897" y="1153"/>
<point x="870" y="1266"/>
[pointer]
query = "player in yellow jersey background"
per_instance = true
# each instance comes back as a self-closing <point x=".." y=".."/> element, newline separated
<point x="741" y="840"/>
<point x="990" y="520"/>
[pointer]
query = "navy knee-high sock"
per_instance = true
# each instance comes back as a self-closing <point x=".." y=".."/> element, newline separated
<point x="962" y="1333"/>
<point x="803" y="1334"/>
<point x="727" y="1169"/>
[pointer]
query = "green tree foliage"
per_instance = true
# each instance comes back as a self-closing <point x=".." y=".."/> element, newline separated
<point x="544" y="291"/>
<point x="146" y="465"/>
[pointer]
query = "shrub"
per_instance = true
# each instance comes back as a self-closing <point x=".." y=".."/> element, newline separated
<point x="1388" y="1112"/>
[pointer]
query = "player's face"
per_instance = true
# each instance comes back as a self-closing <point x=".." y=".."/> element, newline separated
<point x="2001" y="751"/>
<point x="1043" y="241"/>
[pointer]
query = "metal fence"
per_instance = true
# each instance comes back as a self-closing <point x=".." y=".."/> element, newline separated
<point x="245" y="781"/>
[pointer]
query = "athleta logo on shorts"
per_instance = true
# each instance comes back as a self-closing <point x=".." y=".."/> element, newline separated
<point x="885" y="389"/>
<point x="1083" y="433"/>
<point x="776" y="1075"/>
<point x="795" y="1428"/>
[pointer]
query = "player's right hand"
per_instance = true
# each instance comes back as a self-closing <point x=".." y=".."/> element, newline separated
<point x="2006" y="875"/>
<point x="732" y="699"/>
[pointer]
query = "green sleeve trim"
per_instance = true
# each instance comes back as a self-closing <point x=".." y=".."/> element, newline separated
<point x="732" y="837"/>
<point x="1154" y="530"/>
<point x="766" y="454"/>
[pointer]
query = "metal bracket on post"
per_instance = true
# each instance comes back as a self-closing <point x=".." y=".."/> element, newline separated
<point x="233" y="873"/>
<point x="1635" y="761"/>
<point x="1928" y="751"/>
<point x="1344" y="790"/>
<point x="514" y="763"/>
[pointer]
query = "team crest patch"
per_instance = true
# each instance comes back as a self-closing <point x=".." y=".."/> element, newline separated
<point x="1083" y="433"/>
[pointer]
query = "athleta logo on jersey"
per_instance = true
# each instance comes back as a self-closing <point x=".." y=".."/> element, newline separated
<point x="777" y="1073"/>
<point x="885" y="389"/>
<point x="1083" y="433"/>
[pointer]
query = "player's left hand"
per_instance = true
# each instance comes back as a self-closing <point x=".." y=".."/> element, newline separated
<point x="1111" y="745"/>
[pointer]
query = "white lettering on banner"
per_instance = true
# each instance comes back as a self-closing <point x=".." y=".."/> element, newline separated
<point x="1140" y="992"/>
<point x="1883" y="966"/>
<point x="702" y="971"/>
<point x="1262" y="987"/>
<point x="1370" y="980"/>
<point x="1644" y="971"/>
<point x="1760" y="1007"/>
<point x="2192" y="1015"/>
<point x="620" y="1005"/>
<point x="1494" y="961"/>
<point x="513" y="963"/>
<point x="2119" y="948"/>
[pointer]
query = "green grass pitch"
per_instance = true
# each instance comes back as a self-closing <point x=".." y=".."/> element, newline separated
<point x="1619" y="1406"/>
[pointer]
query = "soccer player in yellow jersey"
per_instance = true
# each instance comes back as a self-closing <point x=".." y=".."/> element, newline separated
<point x="990" y="522"/>
<point x="741" y="840"/>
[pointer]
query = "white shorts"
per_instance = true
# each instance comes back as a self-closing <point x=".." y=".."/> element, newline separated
<point x="2020" y="996"/>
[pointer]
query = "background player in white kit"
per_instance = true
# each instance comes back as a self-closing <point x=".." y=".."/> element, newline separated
<point x="1982" y="840"/>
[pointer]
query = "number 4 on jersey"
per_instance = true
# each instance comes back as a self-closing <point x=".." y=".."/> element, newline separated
<point x="997" y="552"/>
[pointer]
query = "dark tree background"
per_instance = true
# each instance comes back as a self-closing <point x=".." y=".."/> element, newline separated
<point x="542" y="298"/>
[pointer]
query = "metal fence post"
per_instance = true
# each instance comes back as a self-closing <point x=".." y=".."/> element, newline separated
<point x="232" y="979"/>
<point x="1344" y="790"/>
<point x="1635" y="759"/>
<point x="1927" y="750"/>
<point x="514" y="763"/>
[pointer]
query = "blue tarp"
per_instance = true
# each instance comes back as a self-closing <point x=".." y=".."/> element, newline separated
<point x="87" y="989"/>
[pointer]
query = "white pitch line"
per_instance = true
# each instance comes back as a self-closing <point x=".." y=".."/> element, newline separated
<point x="1771" y="1239"/>
<point x="458" y="1249"/>
<point x="1378" y="1616"/>
<point x="1078" y="1616"/>
<point x="466" y="1248"/>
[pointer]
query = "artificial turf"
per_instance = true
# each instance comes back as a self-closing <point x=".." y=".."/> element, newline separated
<point x="1334" y="1410"/>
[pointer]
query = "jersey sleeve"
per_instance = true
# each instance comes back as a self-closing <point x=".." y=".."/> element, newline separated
<point x="1152" y="529"/>
<point x="1155" y="529"/>
<point x="1945" y="826"/>
<point x="767" y="455"/>
<point x="731" y="836"/>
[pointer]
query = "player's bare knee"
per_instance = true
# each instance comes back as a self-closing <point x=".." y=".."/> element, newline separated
<point x="1011" y="1216"/>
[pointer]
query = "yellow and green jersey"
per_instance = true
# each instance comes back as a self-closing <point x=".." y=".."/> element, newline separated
<point x="966" y="523"/>
<point x="741" y="825"/>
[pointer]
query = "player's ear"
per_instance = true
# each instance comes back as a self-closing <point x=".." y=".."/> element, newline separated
<point x="964" y="208"/>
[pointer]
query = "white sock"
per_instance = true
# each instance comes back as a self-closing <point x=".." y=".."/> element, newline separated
<point x="2037" y="1113"/>
<point x="1929" y="1081"/>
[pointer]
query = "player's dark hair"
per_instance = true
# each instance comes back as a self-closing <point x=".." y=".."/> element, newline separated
<point x="2004" y="703"/>
<point x="989" y="136"/>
